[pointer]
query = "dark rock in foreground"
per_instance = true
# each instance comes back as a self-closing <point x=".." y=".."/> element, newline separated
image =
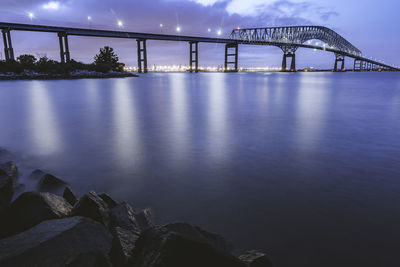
<point x="144" y="220"/>
<point x="6" y="190"/>
<point x="70" y="242"/>
<point x="108" y="200"/>
<point x="123" y="216"/>
<point x="69" y="196"/>
<point x="122" y="246"/>
<point x="50" y="182"/>
<point x="37" y="174"/>
<point x="180" y="245"/>
<point x="92" y="206"/>
<point x="10" y="169"/>
<point x="37" y="230"/>
<point x="31" y="208"/>
<point x="255" y="258"/>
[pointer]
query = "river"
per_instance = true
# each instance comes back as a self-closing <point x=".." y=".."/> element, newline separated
<point x="304" y="166"/>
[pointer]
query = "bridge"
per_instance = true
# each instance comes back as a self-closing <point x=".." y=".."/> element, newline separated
<point x="288" y="39"/>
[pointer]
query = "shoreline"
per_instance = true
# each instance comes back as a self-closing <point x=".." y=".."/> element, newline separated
<point x="51" y="226"/>
<point x="73" y="76"/>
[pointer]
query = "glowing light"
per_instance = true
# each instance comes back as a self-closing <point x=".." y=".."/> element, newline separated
<point x="89" y="18"/>
<point x="120" y="24"/>
<point x="219" y="32"/>
<point x="161" y="25"/>
<point x="178" y="29"/>
<point x="238" y="28"/>
<point x="209" y="30"/>
<point x="52" y="5"/>
<point x="31" y="15"/>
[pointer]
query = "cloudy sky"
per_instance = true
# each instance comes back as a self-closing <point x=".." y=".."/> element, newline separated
<point x="372" y="26"/>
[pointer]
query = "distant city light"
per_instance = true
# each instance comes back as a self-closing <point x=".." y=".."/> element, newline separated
<point x="219" y="32"/>
<point x="31" y="15"/>
<point x="89" y="18"/>
<point x="178" y="29"/>
<point x="120" y="24"/>
<point x="209" y="30"/>
<point x="161" y="25"/>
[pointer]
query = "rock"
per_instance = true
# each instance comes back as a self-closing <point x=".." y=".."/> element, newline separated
<point x="50" y="182"/>
<point x="75" y="241"/>
<point x="179" y="245"/>
<point x="70" y="196"/>
<point x="92" y="206"/>
<point x="10" y="169"/>
<point x="108" y="200"/>
<point x="91" y="259"/>
<point x="31" y="208"/>
<point x="143" y="219"/>
<point x="122" y="246"/>
<point x="6" y="190"/>
<point x="255" y="258"/>
<point x="123" y="215"/>
<point x="37" y="174"/>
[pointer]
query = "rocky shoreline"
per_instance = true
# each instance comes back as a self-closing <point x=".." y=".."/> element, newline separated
<point x="70" y="76"/>
<point x="41" y="228"/>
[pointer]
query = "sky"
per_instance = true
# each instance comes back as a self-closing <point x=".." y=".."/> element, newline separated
<point x="372" y="26"/>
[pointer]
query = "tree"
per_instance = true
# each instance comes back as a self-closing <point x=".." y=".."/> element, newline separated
<point x="106" y="56"/>
<point x="27" y="60"/>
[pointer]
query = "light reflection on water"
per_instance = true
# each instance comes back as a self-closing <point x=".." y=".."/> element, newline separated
<point x="44" y="131"/>
<point x="304" y="164"/>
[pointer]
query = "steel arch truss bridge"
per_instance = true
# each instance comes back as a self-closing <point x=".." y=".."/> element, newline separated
<point x="295" y="37"/>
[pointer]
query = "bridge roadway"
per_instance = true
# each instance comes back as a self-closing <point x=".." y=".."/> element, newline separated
<point x="64" y="32"/>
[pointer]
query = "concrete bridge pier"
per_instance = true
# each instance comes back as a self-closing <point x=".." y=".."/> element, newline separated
<point x="358" y="65"/>
<point x="8" y="49"/>
<point x="194" y="57"/>
<point x="229" y="54"/>
<point x="64" y="47"/>
<point x="287" y="55"/>
<point x="339" y="58"/>
<point x="142" y="55"/>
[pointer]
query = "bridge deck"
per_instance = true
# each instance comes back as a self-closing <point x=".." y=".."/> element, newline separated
<point x="166" y="37"/>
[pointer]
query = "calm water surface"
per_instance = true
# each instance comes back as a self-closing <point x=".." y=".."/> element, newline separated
<point x="305" y="166"/>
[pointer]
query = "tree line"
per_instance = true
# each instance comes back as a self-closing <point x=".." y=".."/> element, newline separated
<point x="105" y="61"/>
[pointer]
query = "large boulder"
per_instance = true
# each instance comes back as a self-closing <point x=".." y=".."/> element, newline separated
<point x="143" y="219"/>
<point x="72" y="242"/>
<point x="91" y="259"/>
<point x="180" y="245"/>
<point x="123" y="216"/>
<point x="49" y="182"/>
<point x="37" y="174"/>
<point x="122" y="246"/>
<point x="255" y="258"/>
<point x="10" y="169"/>
<point x="6" y="190"/>
<point x="31" y="208"/>
<point x="92" y="206"/>
<point x="69" y="196"/>
<point x="108" y="200"/>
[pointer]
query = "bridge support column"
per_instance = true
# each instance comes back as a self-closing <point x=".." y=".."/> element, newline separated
<point x="339" y="58"/>
<point x="142" y="55"/>
<point x="358" y="65"/>
<point x="194" y="57"/>
<point x="292" y="64"/>
<point x="64" y="47"/>
<point x="8" y="49"/>
<point x="229" y="54"/>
